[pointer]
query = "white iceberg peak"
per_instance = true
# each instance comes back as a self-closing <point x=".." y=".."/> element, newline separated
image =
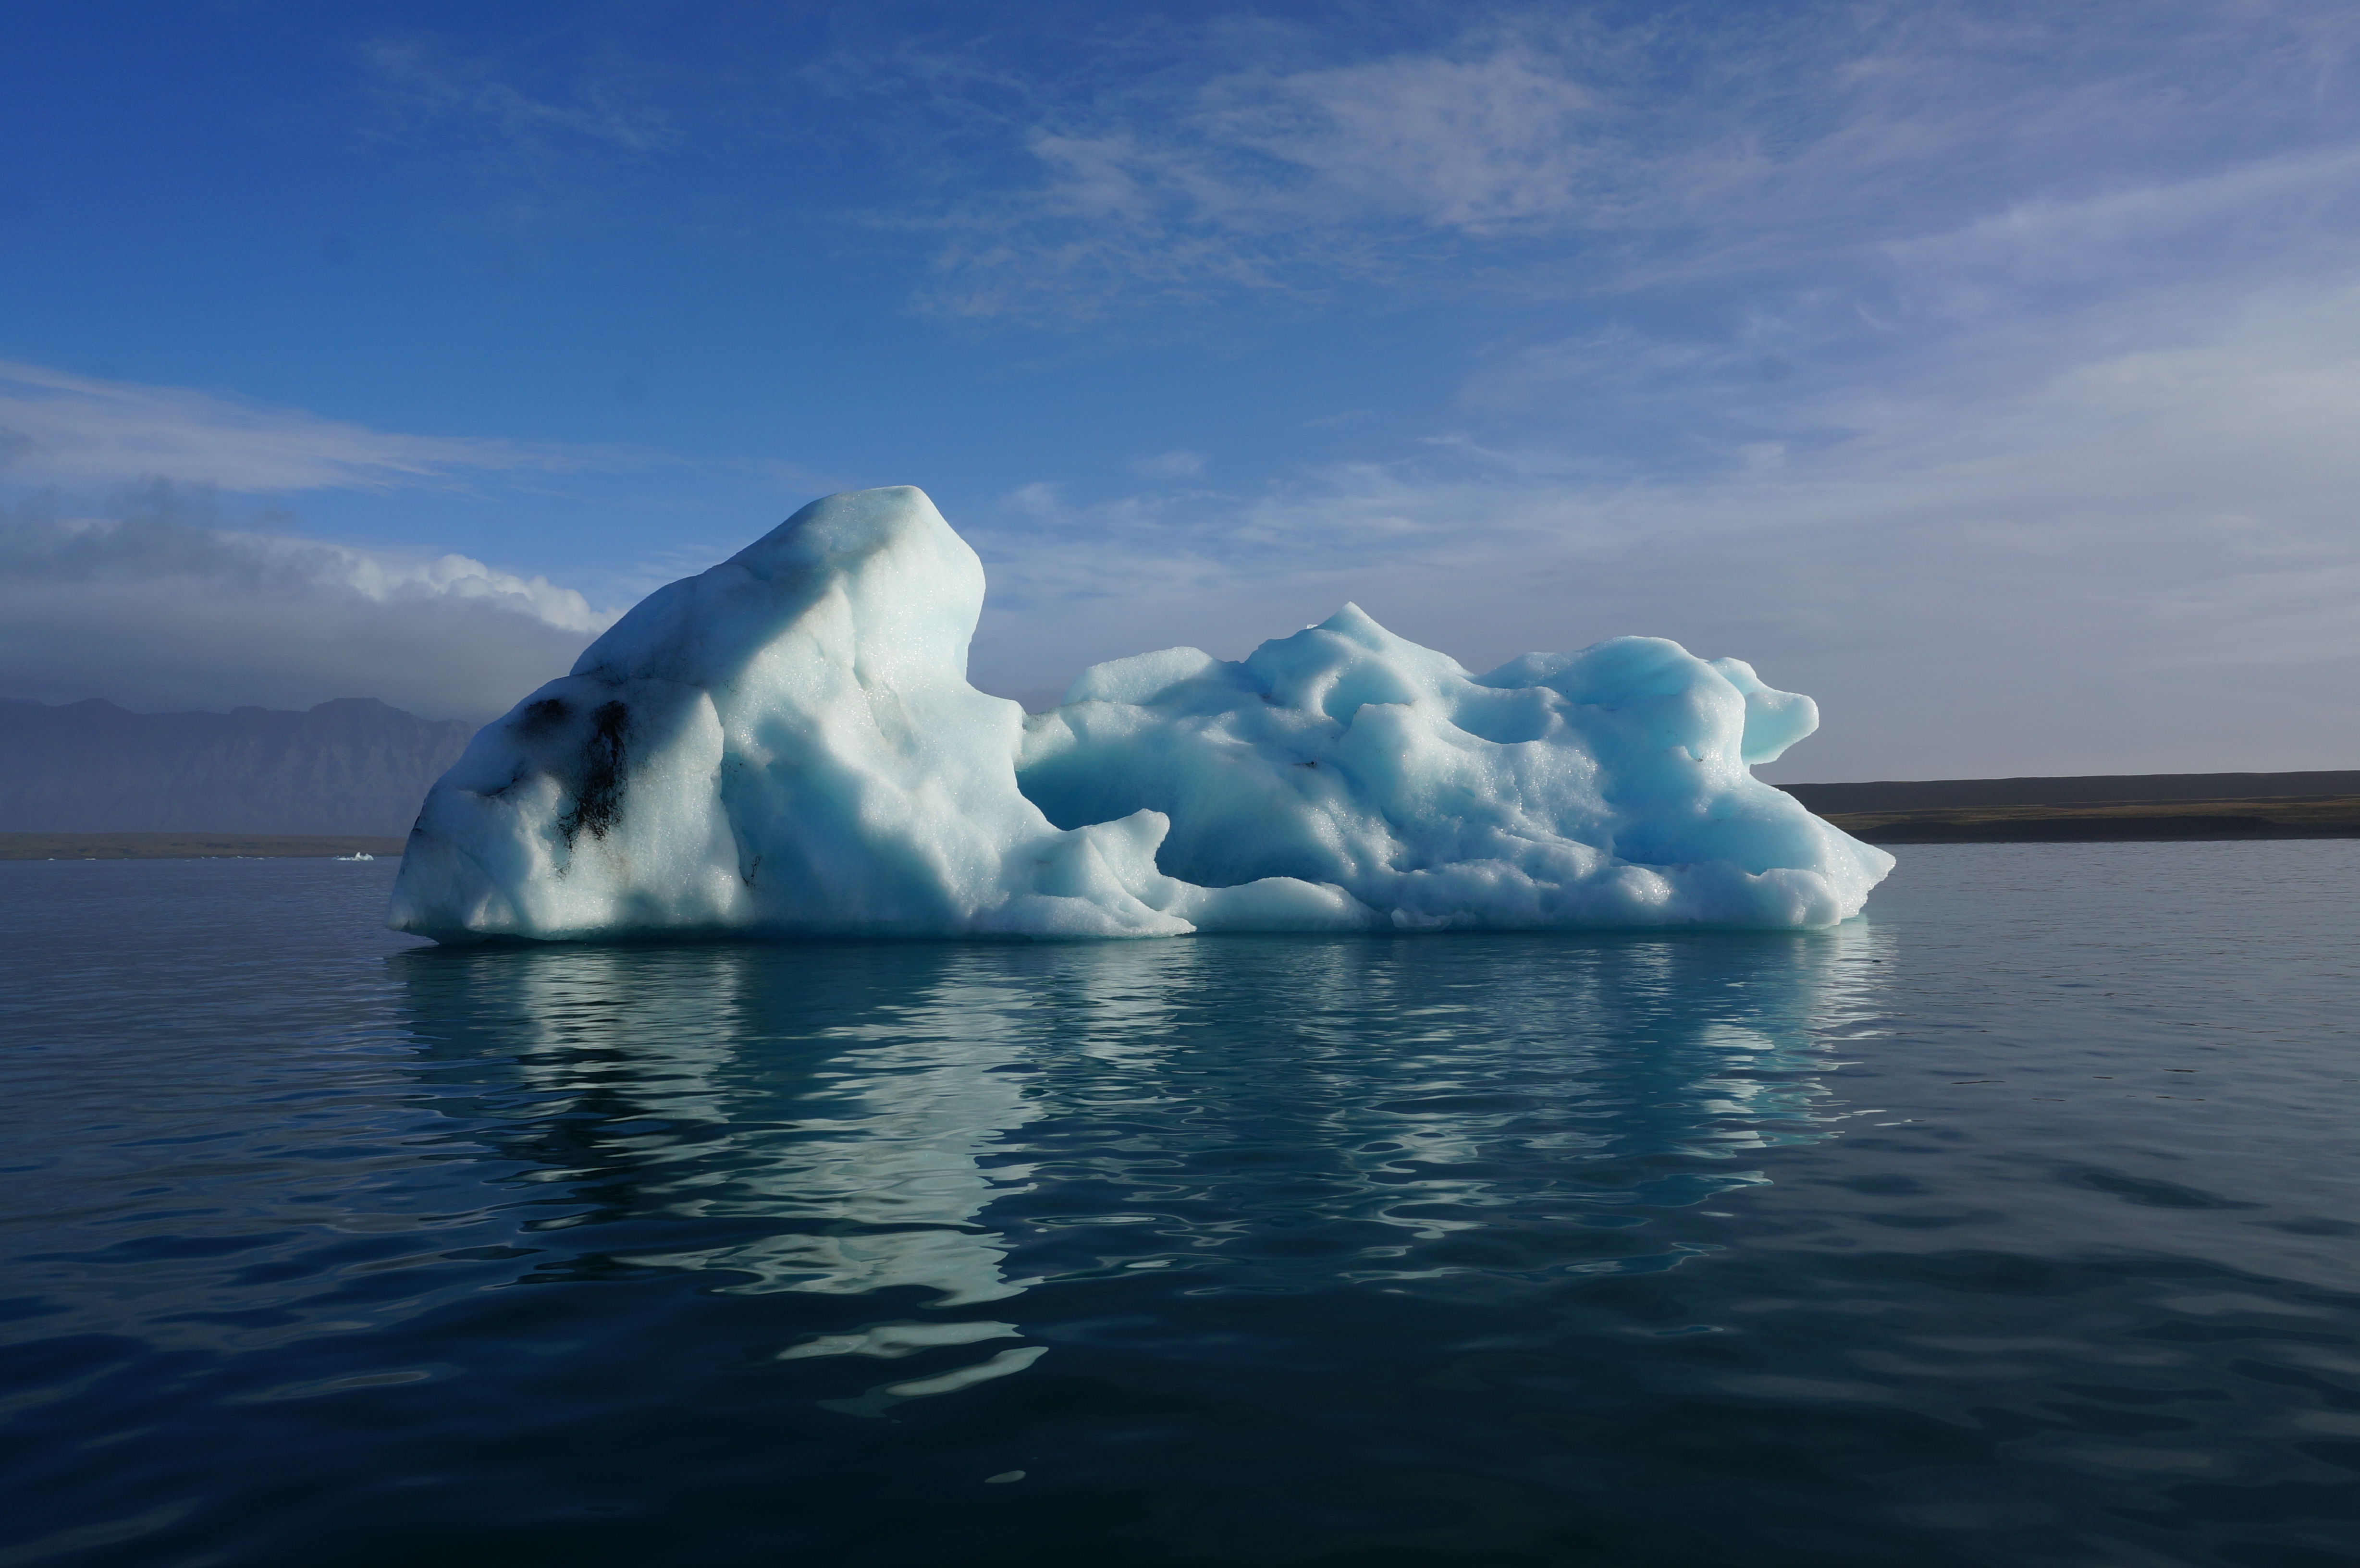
<point x="788" y="744"/>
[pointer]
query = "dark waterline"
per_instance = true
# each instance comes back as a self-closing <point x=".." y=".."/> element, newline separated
<point x="2013" y="1224"/>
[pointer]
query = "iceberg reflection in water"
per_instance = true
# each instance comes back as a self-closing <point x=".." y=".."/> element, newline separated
<point x="2002" y="1230"/>
<point x="928" y="1132"/>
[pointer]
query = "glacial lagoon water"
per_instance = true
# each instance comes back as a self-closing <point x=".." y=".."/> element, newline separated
<point x="2015" y="1222"/>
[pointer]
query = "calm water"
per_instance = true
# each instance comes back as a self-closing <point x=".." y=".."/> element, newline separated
<point x="2013" y="1225"/>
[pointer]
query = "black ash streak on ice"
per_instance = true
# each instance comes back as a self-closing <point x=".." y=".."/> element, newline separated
<point x="804" y="705"/>
<point x="599" y="799"/>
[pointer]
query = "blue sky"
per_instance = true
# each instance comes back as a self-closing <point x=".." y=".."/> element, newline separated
<point x="1991" y="372"/>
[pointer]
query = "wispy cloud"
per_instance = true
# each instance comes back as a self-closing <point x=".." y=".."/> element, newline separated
<point x="565" y="134"/>
<point x="1170" y="465"/>
<point x="1532" y="152"/>
<point x="1509" y="137"/>
<point x="61" y="428"/>
<point x="424" y="79"/>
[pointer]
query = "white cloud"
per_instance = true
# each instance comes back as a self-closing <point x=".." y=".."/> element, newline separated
<point x="61" y="428"/>
<point x="158" y="607"/>
<point x="384" y="579"/>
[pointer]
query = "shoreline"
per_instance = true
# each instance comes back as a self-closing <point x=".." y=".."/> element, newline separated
<point x="2175" y="821"/>
<point x="194" y="847"/>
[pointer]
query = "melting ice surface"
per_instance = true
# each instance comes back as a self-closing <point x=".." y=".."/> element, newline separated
<point x="788" y="744"/>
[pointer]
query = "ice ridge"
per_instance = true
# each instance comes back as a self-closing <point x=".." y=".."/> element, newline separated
<point x="787" y="743"/>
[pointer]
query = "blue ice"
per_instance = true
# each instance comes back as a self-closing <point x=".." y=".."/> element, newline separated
<point x="787" y="743"/>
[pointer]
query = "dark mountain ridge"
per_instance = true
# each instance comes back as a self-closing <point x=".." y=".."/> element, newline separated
<point x="352" y="766"/>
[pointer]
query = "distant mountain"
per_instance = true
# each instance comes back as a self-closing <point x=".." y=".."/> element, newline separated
<point x="352" y="766"/>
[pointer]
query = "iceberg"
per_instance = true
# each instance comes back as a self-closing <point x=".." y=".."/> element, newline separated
<point x="787" y="745"/>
